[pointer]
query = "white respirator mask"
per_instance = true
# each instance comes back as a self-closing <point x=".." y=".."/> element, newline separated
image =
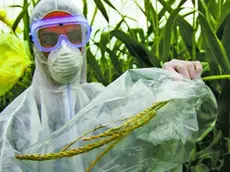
<point x="65" y="64"/>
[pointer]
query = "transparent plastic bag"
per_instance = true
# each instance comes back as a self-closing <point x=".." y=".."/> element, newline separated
<point x="163" y="144"/>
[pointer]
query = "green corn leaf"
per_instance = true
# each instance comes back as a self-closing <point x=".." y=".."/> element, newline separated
<point x="164" y="9"/>
<point x="224" y="111"/>
<point x="101" y="7"/>
<point x="181" y="3"/>
<point x="85" y="8"/>
<point x="136" y="49"/>
<point x="114" y="60"/>
<point x="105" y="39"/>
<point x="214" y="45"/>
<point x="26" y="21"/>
<point x="119" y="23"/>
<point x="15" y="6"/>
<point x="167" y="35"/>
<point x="186" y="30"/>
<point x="20" y="16"/>
<point x="142" y="10"/>
<point x="226" y="35"/>
<point x="213" y="9"/>
<point x="151" y="14"/>
<point x="205" y="10"/>
<point x="201" y="168"/>
<point x="33" y="2"/>
<point x="224" y="13"/>
<point x="95" y="67"/>
<point x="138" y="34"/>
<point x="110" y="4"/>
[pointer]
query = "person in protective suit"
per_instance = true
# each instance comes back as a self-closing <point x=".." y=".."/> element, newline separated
<point x="59" y="89"/>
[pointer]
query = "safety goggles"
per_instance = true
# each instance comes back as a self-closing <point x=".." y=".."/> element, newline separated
<point x="47" y="34"/>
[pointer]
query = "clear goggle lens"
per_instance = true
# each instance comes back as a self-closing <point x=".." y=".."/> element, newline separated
<point x="47" y="35"/>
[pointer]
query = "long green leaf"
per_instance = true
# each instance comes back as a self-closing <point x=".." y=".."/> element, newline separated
<point x="115" y="61"/>
<point x="20" y="16"/>
<point x="105" y="39"/>
<point x="181" y="3"/>
<point x="85" y="8"/>
<point x="186" y="30"/>
<point x="213" y="9"/>
<point x="163" y="11"/>
<point x="214" y="45"/>
<point x="226" y="35"/>
<point x="101" y="7"/>
<point x="225" y="166"/>
<point x="15" y="6"/>
<point x="95" y="67"/>
<point x="110" y="4"/>
<point x="118" y="26"/>
<point x="201" y="168"/>
<point x="94" y="16"/>
<point x="33" y="2"/>
<point x="224" y="111"/>
<point x="205" y="10"/>
<point x="138" y="5"/>
<point x="138" y="34"/>
<point x="167" y="34"/>
<point x="224" y="13"/>
<point x="136" y="49"/>
<point x="26" y="21"/>
<point x="151" y="15"/>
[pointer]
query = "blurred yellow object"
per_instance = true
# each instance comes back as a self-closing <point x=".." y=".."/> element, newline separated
<point x="7" y="21"/>
<point x="2" y="14"/>
<point x="13" y="61"/>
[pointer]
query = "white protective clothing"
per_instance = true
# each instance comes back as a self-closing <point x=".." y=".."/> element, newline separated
<point x="46" y="105"/>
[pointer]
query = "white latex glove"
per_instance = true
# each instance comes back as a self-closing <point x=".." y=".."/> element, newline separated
<point x="188" y="69"/>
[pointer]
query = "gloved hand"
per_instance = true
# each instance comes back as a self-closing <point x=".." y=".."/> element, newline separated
<point x="188" y="69"/>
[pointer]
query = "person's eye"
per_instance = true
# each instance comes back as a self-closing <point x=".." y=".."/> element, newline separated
<point x="74" y="36"/>
<point x="49" y="40"/>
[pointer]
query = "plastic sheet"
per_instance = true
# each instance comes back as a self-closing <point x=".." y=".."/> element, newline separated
<point x="163" y="144"/>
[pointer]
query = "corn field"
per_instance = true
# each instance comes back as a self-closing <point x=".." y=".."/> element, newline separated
<point x="167" y="35"/>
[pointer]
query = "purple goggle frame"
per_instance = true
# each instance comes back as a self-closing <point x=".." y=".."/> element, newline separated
<point x="39" y="24"/>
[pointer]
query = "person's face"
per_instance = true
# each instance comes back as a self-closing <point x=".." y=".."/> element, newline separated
<point x="49" y="36"/>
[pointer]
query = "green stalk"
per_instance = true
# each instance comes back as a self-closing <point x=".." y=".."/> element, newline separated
<point x="94" y="15"/>
<point x="26" y="21"/>
<point x="216" y="77"/>
<point x="157" y="32"/>
<point x="194" y="32"/>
